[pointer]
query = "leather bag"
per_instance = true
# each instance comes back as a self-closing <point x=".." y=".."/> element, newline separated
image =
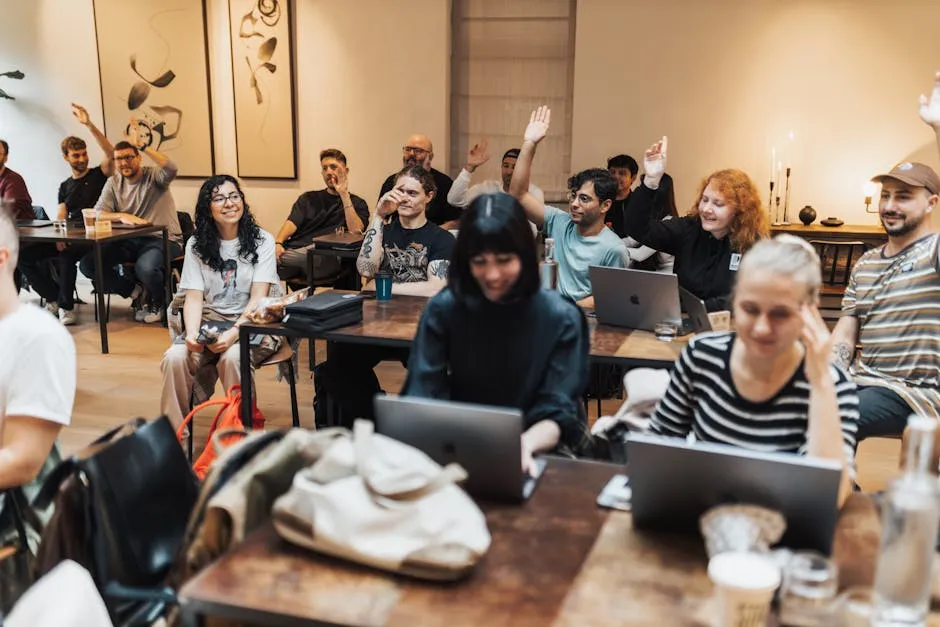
<point x="16" y="560"/>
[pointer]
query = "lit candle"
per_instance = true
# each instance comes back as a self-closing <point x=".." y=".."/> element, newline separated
<point x="777" y="185"/>
<point x="790" y="150"/>
<point x="773" y="162"/>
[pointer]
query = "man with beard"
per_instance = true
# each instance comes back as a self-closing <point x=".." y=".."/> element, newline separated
<point x="581" y="238"/>
<point x="420" y="151"/>
<point x="462" y="194"/>
<point x="80" y="191"/>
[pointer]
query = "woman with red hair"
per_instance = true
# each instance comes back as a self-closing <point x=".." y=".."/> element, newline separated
<point x="725" y="221"/>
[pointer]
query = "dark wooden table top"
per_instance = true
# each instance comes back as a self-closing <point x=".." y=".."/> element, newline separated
<point x="556" y="560"/>
<point x="819" y="229"/>
<point x="79" y="234"/>
<point x="536" y="553"/>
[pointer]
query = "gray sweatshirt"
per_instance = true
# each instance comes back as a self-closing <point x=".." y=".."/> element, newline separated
<point x="148" y="197"/>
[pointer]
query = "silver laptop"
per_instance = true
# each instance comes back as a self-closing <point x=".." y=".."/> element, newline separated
<point x="696" y="312"/>
<point x="674" y="482"/>
<point x="635" y="299"/>
<point x="485" y="440"/>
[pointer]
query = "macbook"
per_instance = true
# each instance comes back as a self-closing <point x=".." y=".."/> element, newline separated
<point x="674" y="482"/>
<point x="635" y="299"/>
<point x="485" y="440"/>
<point x="694" y="308"/>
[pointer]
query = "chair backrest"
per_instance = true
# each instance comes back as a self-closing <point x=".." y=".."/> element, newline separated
<point x="40" y="213"/>
<point x="837" y="258"/>
<point x="186" y="226"/>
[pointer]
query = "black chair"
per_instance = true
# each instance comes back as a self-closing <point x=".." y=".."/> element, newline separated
<point x="836" y="258"/>
<point x="187" y="228"/>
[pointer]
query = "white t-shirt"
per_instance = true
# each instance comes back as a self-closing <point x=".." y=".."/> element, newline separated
<point x="37" y="371"/>
<point x="227" y="292"/>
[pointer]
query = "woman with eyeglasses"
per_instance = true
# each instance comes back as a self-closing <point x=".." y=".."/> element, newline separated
<point x="707" y="243"/>
<point x="229" y="266"/>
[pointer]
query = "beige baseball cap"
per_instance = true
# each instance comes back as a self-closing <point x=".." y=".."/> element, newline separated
<point x="914" y="174"/>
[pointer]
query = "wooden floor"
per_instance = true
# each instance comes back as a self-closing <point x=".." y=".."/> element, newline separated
<point x="126" y="383"/>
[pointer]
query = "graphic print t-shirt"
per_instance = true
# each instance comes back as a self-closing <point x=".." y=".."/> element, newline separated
<point x="227" y="292"/>
<point x="407" y="252"/>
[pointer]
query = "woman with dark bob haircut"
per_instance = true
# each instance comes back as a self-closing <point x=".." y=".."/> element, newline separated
<point x="493" y="337"/>
<point x="228" y="267"/>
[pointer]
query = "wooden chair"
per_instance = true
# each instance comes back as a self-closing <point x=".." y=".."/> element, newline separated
<point x="837" y="258"/>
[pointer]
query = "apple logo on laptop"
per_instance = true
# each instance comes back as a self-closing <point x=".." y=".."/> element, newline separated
<point x="635" y="299"/>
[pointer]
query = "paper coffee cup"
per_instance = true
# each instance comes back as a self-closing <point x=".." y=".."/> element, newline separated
<point x="744" y="587"/>
<point x="88" y="216"/>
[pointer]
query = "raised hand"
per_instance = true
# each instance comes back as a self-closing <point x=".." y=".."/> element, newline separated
<point x="654" y="160"/>
<point x="538" y="124"/>
<point x="930" y="107"/>
<point x="818" y="343"/>
<point x="478" y="155"/>
<point x="132" y="136"/>
<point x="81" y="114"/>
<point x="340" y="183"/>
<point x="388" y="203"/>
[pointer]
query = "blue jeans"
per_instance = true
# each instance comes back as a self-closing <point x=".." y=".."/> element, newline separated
<point x="147" y="255"/>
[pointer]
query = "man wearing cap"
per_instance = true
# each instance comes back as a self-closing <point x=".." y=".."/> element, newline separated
<point x="420" y="151"/>
<point x="462" y="194"/>
<point x="891" y="308"/>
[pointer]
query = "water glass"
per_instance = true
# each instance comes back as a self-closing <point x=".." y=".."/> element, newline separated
<point x="383" y="287"/>
<point x="808" y="595"/>
<point x="666" y="330"/>
<point x="340" y="230"/>
<point x="854" y="608"/>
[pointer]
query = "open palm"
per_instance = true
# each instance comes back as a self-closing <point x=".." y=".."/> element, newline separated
<point x="930" y="107"/>
<point x="478" y="154"/>
<point x="538" y="124"/>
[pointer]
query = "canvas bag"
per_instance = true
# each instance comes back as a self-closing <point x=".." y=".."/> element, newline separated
<point x="378" y="502"/>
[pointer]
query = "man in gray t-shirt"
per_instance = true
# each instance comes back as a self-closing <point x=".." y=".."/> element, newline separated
<point x="137" y="194"/>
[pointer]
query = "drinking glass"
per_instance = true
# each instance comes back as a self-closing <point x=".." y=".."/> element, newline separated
<point x="666" y="330"/>
<point x="854" y="608"/>
<point x="810" y="583"/>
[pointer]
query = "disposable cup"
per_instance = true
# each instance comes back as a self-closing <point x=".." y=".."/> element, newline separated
<point x="744" y="587"/>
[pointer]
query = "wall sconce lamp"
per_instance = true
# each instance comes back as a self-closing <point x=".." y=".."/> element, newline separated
<point x="869" y="188"/>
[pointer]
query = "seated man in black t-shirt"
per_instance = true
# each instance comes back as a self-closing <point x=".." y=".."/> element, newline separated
<point x="319" y="213"/>
<point x="420" y="151"/>
<point x="80" y="191"/>
<point x="416" y="253"/>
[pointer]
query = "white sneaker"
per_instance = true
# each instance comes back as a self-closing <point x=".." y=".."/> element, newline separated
<point x="150" y="315"/>
<point x="67" y="317"/>
<point x="139" y="314"/>
<point x="52" y="308"/>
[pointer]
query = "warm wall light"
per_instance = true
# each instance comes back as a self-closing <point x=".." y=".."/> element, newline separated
<point x="869" y="188"/>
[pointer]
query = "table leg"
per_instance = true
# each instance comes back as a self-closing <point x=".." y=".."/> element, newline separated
<point x="99" y="297"/>
<point x="244" y="351"/>
<point x="167" y="269"/>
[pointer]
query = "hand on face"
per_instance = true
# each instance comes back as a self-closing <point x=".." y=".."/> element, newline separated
<point x="930" y="107"/>
<point x="340" y="182"/>
<point x="388" y="203"/>
<point x="539" y="122"/>
<point x="818" y="343"/>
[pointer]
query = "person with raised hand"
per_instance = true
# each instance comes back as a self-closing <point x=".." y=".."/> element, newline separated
<point x="581" y="238"/>
<point x="462" y="194"/>
<point x="724" y="222"/>
<point x="768" y="385"/>
<point x="930" y="108"/>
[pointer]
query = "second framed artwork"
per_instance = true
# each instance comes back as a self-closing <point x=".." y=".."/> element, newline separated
<point x="263" y="85"/>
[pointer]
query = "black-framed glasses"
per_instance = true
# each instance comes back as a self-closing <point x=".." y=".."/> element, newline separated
<point x="582" y="198"/>
<point x="234" y="197"/>
<point x="414" y="150"/>
<point x="126" y="157"/>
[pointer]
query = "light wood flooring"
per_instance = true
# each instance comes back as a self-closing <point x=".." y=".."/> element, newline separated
<point x="126" y="383"/>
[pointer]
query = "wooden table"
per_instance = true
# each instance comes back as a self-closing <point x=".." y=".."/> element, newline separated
<point x="872" y="234"/>
<point x="78" y="236"/>
<point x="394" y="324"/>
<point x="556" y="560"/>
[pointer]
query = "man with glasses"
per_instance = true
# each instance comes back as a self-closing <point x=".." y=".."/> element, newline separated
<point x="137" y="194"/>
<point x="419" y="151"/>
<point x="581" y="238"/>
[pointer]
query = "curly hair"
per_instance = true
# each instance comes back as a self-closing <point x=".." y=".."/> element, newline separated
<point x="748" y="221"/>
<point x="206" y="238"/>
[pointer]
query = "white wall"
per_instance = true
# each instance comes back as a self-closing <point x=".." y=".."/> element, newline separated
<point x="362" y="85"/>
<point x="727" y="80"/>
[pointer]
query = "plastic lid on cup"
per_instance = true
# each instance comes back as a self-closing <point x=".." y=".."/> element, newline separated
<point x="744" y="570"/>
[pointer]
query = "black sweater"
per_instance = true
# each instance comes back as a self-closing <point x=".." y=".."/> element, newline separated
<point x="703" y="263"/>
<point x="531" y="355"/>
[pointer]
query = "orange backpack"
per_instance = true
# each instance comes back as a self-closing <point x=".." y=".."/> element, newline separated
<point x="228" y="418"/>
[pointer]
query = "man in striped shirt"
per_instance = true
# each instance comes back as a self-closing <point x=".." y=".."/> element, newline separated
<point x="891" y="307"/>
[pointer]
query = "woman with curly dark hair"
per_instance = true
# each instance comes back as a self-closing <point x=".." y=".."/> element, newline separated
<point x="726" y="219"/>
<point x="229" y="266"/>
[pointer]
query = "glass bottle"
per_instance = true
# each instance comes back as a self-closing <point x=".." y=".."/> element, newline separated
<point x="548" y="268"/>
<point x="910" y="514"/>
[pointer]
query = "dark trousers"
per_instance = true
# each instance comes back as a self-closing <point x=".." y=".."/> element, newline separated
<point x="881" y="412"/>
<point x="347" y="380"/>
<point x="147" y="255"/>
<point x="51" y="273"/>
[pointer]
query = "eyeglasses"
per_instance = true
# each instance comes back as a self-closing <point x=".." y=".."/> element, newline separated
<point x="126" y="157"/>
<point x="414" y="150"/>
<point x="584" y="199"/>
<point x="233" y="198"/>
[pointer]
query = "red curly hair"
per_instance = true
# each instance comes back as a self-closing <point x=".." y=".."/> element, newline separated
<point x="749" y="220"/>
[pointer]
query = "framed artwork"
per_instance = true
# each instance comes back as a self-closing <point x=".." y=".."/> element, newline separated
<point x="263" y="85"/>
<point x="153" y="63"/>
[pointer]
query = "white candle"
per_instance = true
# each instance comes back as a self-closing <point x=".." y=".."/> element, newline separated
<point x="773" y="162"/>
<point x="777" y="186"/>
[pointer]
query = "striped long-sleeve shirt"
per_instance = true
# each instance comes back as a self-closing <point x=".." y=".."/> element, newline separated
<point x="702" y="399"/>
<point x="897" y="303"/>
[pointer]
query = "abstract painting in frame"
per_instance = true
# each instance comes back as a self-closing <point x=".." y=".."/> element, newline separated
<point x="153" y="63"/>
<point x="263" y="84"/>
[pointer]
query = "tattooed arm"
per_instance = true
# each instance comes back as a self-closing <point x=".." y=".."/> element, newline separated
<point x="437" y="280"/>
<point x="844" y="337"/>
<point x="370" y="255"/>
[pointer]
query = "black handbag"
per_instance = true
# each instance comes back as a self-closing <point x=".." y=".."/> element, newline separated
<point x="121" y="510"/>
<point x="324" y="311"/>
<point x="16" y="559"/>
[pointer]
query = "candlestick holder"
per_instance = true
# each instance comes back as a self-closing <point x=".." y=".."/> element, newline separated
<point x="770" y="203"/>
<point x="786" y="201"/>
<point x="776" y="222"/>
